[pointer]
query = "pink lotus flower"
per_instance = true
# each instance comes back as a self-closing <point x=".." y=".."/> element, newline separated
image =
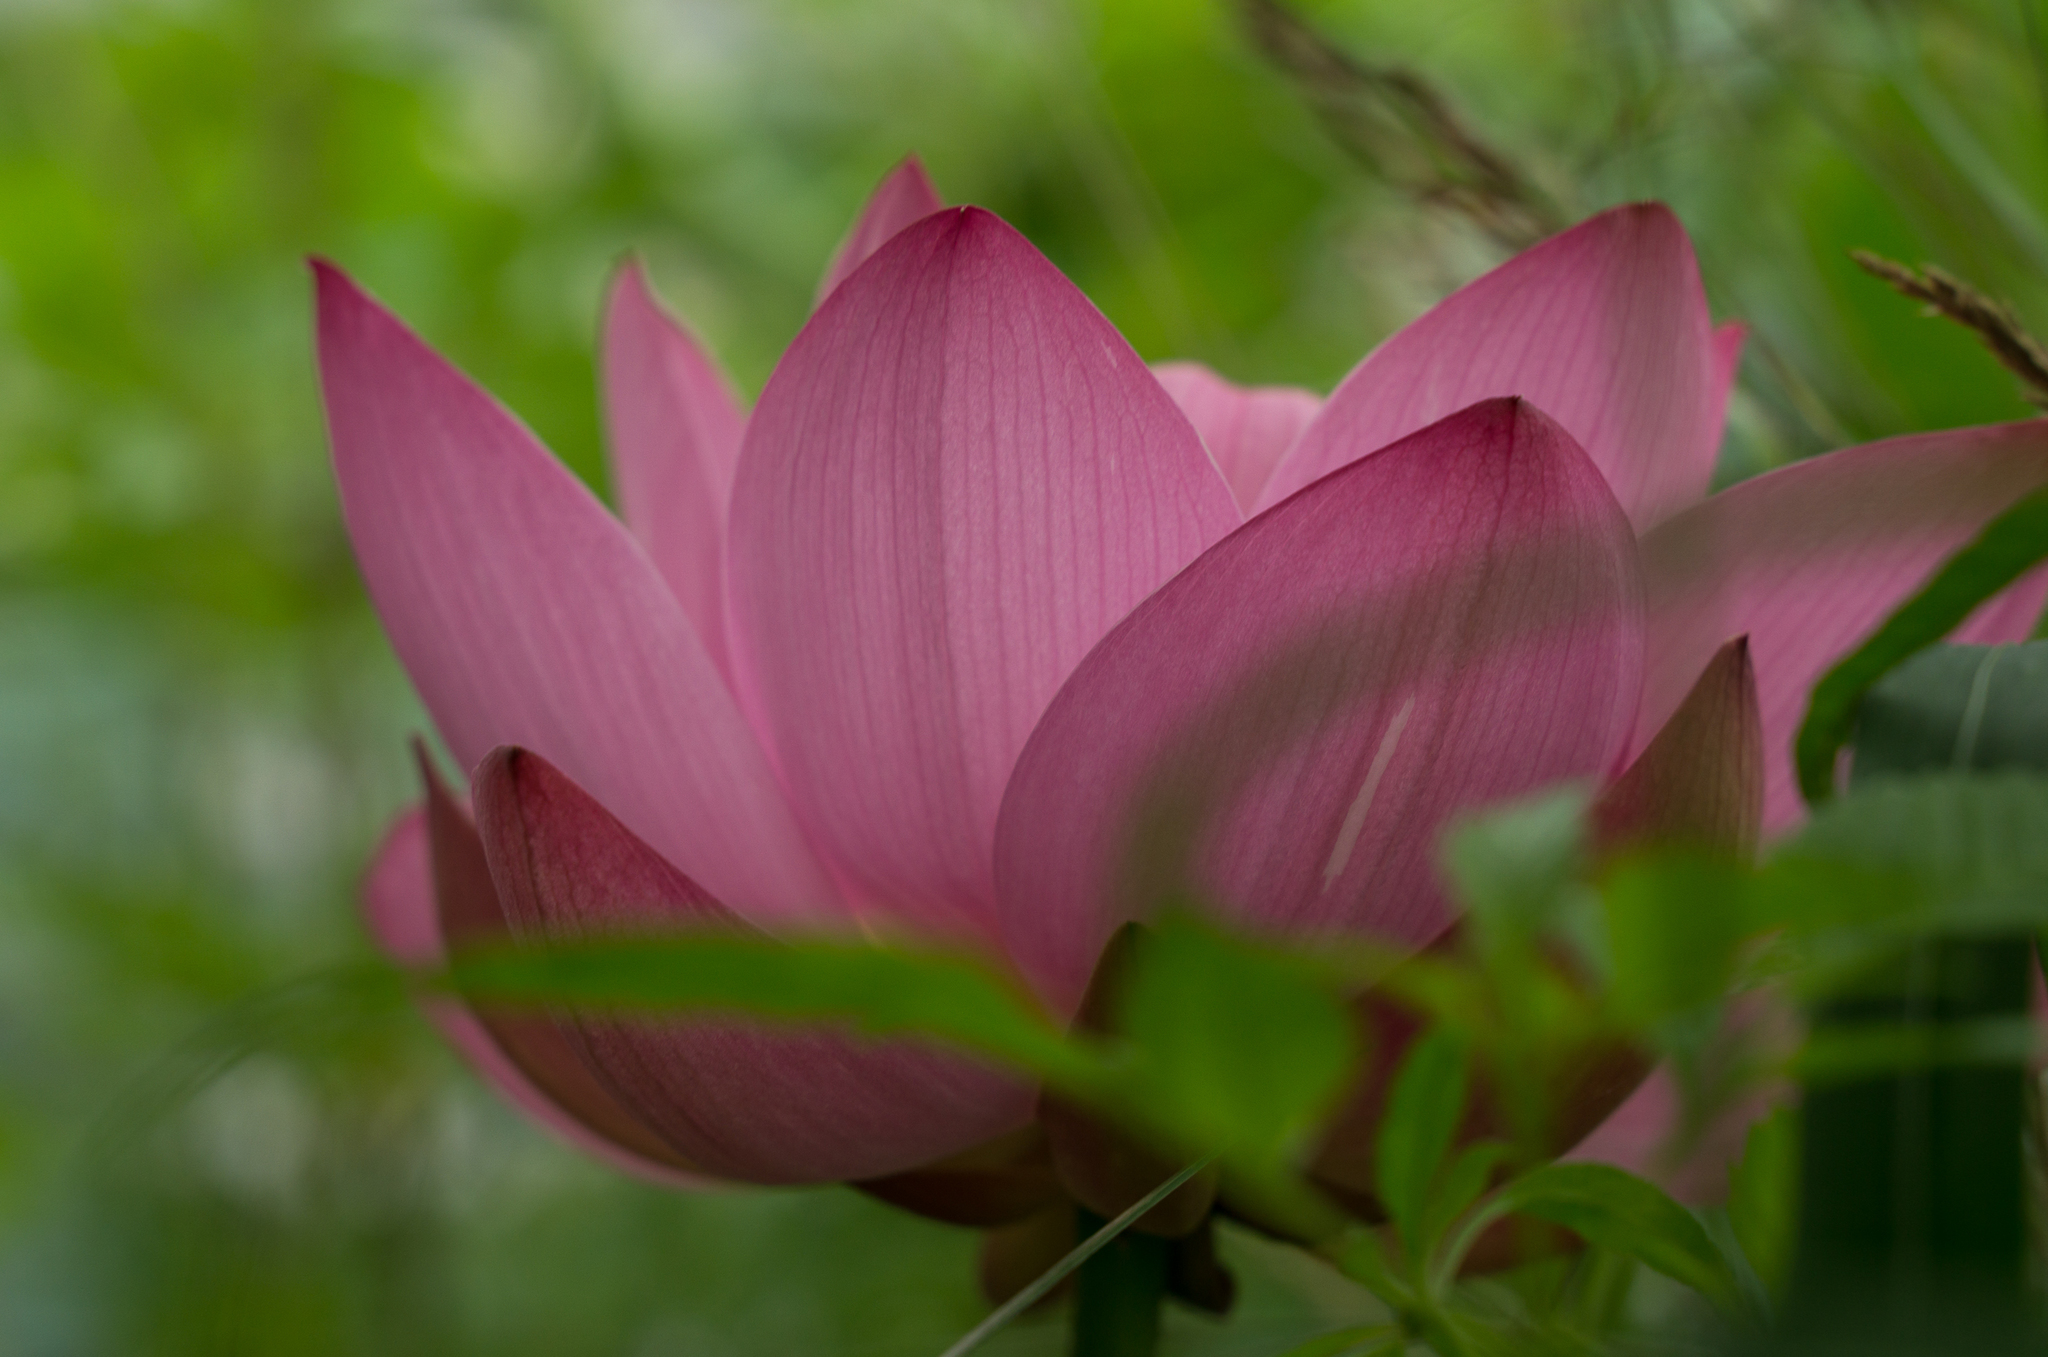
<point x="975" y="616"/>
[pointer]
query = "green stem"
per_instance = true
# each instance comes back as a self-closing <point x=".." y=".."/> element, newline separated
<point x="1912" y="1229"/>
<point x="1118" y="1295"/>
<point x="1086" y="1249"/>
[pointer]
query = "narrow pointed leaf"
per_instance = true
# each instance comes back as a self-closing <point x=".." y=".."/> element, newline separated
<point x="1423" y="1111"/>
<point x="1616" y="1210"/>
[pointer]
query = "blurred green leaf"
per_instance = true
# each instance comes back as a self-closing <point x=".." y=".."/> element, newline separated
<point x="1893" y="859"/>
<point x="1674" y="928"/>
<point x="1362" y="1338"/>
<point x="1846" y="1052"/>
<point x="1235" y="1046"/>
<point x="1512" y="866"/>
<point x="1973" y="848"/>
<point x="880" y="991"/>
<point x="1462" y="1185"/>
<point x="1763" y="1197"/>
<point x="1959" y="708"/>
<point x="2000" y="554"/>
<point x="1616" y="1210"/>
<point x="1424" y="1107"/>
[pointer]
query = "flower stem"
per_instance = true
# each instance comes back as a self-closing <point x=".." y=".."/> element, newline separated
<point x="1118" y="1295"/>
<point x="1087" y="1249"/>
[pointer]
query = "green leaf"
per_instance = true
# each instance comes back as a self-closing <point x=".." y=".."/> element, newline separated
<point x="2009" y="544"/>
<point x="881" y="991"/>
<point x="1809" y="894"/>
<point x="1511" y="866"/>
<point x="1345" y="1341"/>
<point x="1616" y="1210"/>
<point x="1957" y="708"/>
<point x="1235" y="1047"/>
<point x="1423" y="1109"/>
<point x="1675" y="927"/>
<point x="1846" y="1052"/>
<point x="1462" y="1185"/>
<point x="1897" y="858"/>
<point x="1763" y="1197"/>
<point x="1973" y="848"/>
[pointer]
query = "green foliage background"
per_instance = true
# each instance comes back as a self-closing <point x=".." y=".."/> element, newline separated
<point x="202" y="731"/>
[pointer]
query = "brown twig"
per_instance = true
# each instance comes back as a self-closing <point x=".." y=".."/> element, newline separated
<point x="1994" y="322"/>
<point x="1403" y="128"/>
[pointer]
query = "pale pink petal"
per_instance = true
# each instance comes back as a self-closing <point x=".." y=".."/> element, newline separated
<point x="674" y="428"/>
<point x="398" y="905"/>
<point x="958" y="479"/>
<point x="398" y="894"/>
<point x="1604" y="328"/>
<point x="1284" y="728"/>
<point x="1246" y="428"/>
<point x="904" y="197"/>
<point x="1728" y="341"/>
<point x="743" y="1100"/>
<point x="524" y="612"/>
<point x="1809" y="559"/>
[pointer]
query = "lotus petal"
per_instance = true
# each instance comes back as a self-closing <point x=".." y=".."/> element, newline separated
<point x="526" y="614"/>
<point x="399" y="907"/>
<point x="674" y="426"/>
<point x="1700" y="782"/>
<point x="958" y="479"/>
<point x="1285" y="727"/>
<point x="1728" y="342"/>
<point x="743" y="1100"/>
<point x="1604" y="328"/>
<point x="1809" y="559"/>
<point x="1246" y="428"/>
<point x="904" y="197"/>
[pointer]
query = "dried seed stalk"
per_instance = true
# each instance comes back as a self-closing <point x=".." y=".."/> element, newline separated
<point x="1403" y="128"/>
<point x="1994" y="322"/>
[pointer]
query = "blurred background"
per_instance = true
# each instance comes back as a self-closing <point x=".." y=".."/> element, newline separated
<point x="212" y="1139"/>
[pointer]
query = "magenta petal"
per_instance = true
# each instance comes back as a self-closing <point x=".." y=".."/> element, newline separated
<point x="745" y="1102"/>
<point x="1728" y="341"/>
<point x="674" y="428"/>
<point x="958" y="479"/>
<point x="525" y="613"/>
<point x="1809" y="559"/>
<point x="904" y="197"/>
<point x="1246" y="428"/>
<point x="1284" y="728"/>
<point x="1604" y="328"/>
<point x="398" y="905"/>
